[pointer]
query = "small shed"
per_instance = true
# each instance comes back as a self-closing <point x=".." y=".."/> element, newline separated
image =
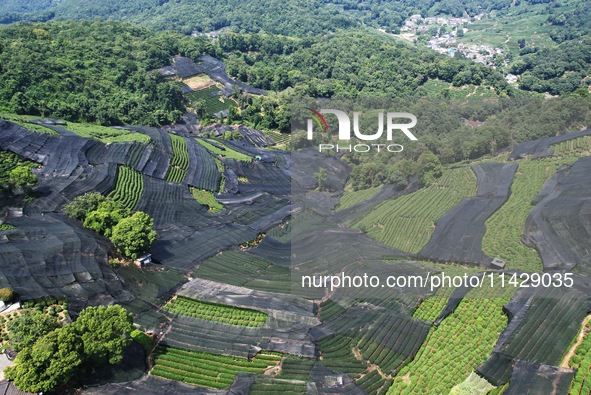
<point x="498" y="263"/>
<point x="143" y="260"/>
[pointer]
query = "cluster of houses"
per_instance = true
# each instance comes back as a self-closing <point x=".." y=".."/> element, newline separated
<point x="417" y="24"/>
<point x="446" y="41"/>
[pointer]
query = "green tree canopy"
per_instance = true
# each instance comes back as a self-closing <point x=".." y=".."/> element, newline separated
<point x="134" y="235"/>
<point x="107" y="215"/>
<point x="22" y="176"/>
<point x="81" y="206"/>
<point x="52" y="360"/>
<point x="105" y="333"/>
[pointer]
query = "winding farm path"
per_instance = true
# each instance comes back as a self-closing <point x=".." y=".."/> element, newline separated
<point x="573" y="349"/>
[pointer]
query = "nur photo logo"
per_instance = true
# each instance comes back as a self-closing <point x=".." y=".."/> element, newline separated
<point x="392" y="122"/>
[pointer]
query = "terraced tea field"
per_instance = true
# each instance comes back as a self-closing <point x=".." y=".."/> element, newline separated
<point x="128" y="188"/>
<point x="351" y="197"/>
<point x="180" y="159"/>
<point x="216" y="312"/>
<point x="455" y="348"/>
<point x="505" y="227"/>
<point x="213" y="102"/>
<point x="407" y="222"/>
<point x="207" y="370"/>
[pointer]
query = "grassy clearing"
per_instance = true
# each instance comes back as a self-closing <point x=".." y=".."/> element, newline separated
<point x="207" y="370"/>
<point x="226" y="152"/>
<point x="216" y="312"/>
<point x="105" y="134"/>
<point x="408" y="222"/>
<point x="180" y="159"/>
<point x="454" y="349"/>
<point x="25" y="122"/>
<point x="206" y="198"/>
<point x="199" y="81"/>
<point x="128" y="188"/>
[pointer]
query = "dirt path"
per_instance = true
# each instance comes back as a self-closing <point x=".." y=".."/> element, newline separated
<point x="573" y="349"/>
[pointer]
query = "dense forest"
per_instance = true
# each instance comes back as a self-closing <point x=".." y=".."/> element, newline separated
<point x="301" y="17"/>
<point x="97" y="72"/>
<point x="347" y="63"/>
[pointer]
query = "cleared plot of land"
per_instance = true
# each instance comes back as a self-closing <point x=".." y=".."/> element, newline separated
<point x="505" y="227"/>
<point x="206" y="198"/>
<point x="180" y="159"/>
<point x="351" y="197"/>
<point x="455" y="348"/>
<point x="207" y="370"/>
<point x="199" y="81"/>
<point x="220" y="149"/>
<point x="216" y="312"/>
<point x="128" y="188"/>
<point x="408" y="222"/>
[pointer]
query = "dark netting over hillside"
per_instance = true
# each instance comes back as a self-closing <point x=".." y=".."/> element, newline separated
<point x="559" y="226"/>
<point x="151" y="385"/>
<point x="261" y="176"/>
<point x="534" y="379"/>
<point x="541" y="148"/>
<point x="497" y="368"/>
<point x="552" y="313"/>
<point x="285" y="307"/>
<point x="52" y="255"/>
<point x="273" y="250"/>
<point x="326" y="381"/>
<point x="247" y="270"/>
<point x="151" y="287"/>
<point x="458" y="234"/>
<point x="187" y="233"/>
<point x="214" y="68"/>
<point x="203" y="171"/>
<point x="241" y="341"/>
